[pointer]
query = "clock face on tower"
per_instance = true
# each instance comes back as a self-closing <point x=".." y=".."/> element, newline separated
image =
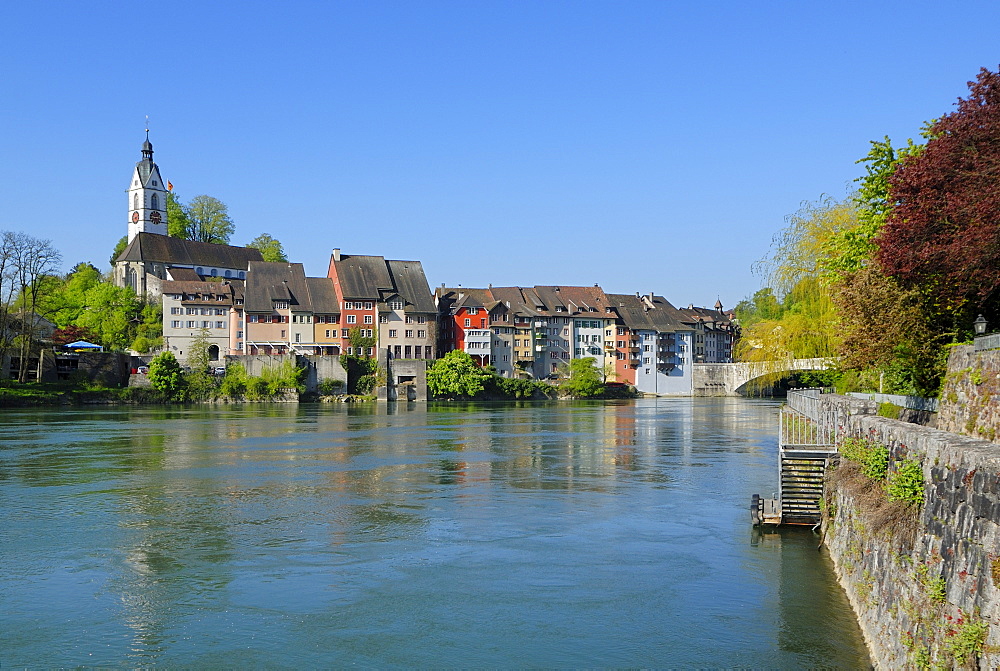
<point x="135" y="217"/>
<point x="155" y="217"/>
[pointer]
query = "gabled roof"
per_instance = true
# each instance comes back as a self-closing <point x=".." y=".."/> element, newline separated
<point x="268" y="282"/>
<point x="174" y="251"/>
<point x="665" y="315"/>
<point x="409" y="281"/>
<point x="322" y="295"/>
<point x="363" y="276"/>
<point x="633" y="311"/>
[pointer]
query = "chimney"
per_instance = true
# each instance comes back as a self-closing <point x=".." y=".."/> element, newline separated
<point x="336" y="253"/>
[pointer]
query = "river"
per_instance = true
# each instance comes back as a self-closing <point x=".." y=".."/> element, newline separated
<point x="590" y="534"/>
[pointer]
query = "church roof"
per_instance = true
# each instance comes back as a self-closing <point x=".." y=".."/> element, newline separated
<point x="175" y="251"/>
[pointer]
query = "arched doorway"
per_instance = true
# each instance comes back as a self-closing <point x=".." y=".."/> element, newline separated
<point x="213" y="352"/>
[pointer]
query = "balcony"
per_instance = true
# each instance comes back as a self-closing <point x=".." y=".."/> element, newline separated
<point x="633" y="350"/>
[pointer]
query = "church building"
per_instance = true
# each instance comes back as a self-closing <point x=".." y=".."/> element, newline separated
<point x="152" y="256"/>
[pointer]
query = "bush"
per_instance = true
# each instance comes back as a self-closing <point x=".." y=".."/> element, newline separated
<point x="872" y="457"/>
<point x="165" y="376"/>
<point x="329" y="387"/>
<point x="890" y="410"/>
<point x="906" y="483"/>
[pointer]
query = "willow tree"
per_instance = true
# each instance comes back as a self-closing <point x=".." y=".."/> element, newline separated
<point x="806" y="326"/>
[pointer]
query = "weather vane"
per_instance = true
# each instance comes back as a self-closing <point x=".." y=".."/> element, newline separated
<point x="147" y="126"/>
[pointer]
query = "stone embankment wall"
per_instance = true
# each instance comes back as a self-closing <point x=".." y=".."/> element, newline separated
<point x="924" y="584"/>
<point x="969" y="394"/>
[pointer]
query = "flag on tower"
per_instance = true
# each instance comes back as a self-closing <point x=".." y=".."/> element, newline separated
<point x="170" y="186"/>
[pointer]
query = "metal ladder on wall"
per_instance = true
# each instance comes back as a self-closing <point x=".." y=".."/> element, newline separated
<point x="805" y="446"/>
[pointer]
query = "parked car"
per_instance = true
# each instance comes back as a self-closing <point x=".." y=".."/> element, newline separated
<point x="220" y="370"/>
<point x="142" y="370"/>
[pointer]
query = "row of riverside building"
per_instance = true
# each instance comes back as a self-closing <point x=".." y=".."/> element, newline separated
<point x="370" y="305"/>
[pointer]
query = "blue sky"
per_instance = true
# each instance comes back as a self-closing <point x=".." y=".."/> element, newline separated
<point x="644" y="146"/>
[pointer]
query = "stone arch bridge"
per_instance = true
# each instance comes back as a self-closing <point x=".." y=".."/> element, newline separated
<point x="733" y="379"/>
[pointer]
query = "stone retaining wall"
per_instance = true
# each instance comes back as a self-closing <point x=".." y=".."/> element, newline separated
<point x="921" y="601"/>
<point x="969" y="393"/>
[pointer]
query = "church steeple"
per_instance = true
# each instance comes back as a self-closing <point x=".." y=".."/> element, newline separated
<point x="147" y="196"/>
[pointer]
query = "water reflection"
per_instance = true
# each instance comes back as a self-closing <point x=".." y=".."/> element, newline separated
<point x="556" y="534"/>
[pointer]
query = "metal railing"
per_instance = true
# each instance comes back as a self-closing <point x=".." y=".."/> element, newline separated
<point x="805" y="402"/>
<point x="910" y="402"/>
<point x="983" y="343"/>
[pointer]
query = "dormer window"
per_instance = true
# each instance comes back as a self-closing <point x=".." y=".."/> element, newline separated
<point x="243" y="275"/>
<point x="280" y="305"/>
<point x="214" y="271"/>
<point x="200" y="270"/>
<point x="396" y="304"/>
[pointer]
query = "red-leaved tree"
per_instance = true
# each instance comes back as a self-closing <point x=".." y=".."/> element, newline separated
<point x="942" y="234"/>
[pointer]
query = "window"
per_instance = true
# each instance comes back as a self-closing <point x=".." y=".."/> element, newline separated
<point x="328" y="333"/>
<point x="369" y="305"/>
<point x="156" y="200"/>
<point x="344" y="333"/>
<point x="368" y="319"/>
<point x="421" y="333"/>
<point x="229" y="274"/>
<point x="371" y="351"/>
<point x="421" y="320"/>
<point x="392" y="333"/>
<point x="282" y="333"/>
<point x="383" y="319"/>
<point x="135" y="201"/>
<point x="205" y="324"/>
<point x="175" y="324"/>
<point x="409" y="319"/>
<point x="219" y="325"/>
<point x="352" y="319"/>
<point x="200" y="270"/>
<point x="468" y="323"/>
<point x="645" y="360"/>
<point x="215" y="272"/>
<point x="243" y="275"/>
<point x="396" y="304"/>
<point x="645" y="348"/>
<point x="367" y="333"/>
<point x="348" y="305"/>
<point x="280" y="305"/>
<point x="252" y="319"/>
<point x="409" y="333"/>
<point x="298" y="337"/>
<point x="407" y="351"/>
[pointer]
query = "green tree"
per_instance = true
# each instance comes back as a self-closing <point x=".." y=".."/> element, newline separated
<point x="270" y="248"/>
<point x="63" y="302"/>
<point x="178" y="223"/>
<point x="165" y="376"/>
<point x="208" y="220"/>
<point x="200" y="381"/>
<point x="111" y="313"/>
<point x="456" y="376"/>
<point x="119" y="248"/>
<point x="584" y="379"/>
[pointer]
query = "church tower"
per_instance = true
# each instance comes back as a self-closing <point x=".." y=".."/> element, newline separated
<point x="147" y="196"/>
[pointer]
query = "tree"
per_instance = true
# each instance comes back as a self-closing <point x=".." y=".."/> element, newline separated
<point x="178" y="224"/>
<point x="269" y="248"/>
<point x="68" y="334"/>
<point x="165" y="375"/>
<point x="456" y="376"/>
<point x="111" y="313"/>
<point x="208" y="220"/>
<point x="942" y="235"/>
<point x="119" y="248"/>
<point x="584" y="379"/>
<point x="33" y="259"/>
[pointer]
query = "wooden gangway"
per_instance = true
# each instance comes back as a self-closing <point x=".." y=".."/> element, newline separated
<point x="806" y="444"/>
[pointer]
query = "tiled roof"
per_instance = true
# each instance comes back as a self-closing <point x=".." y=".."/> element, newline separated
<point x="322" y="295"/>
<point x="410" y="283"/>
<point x="268" y="282"/>
<point x="363" y="276"/>
<point x="167" y="250"/>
